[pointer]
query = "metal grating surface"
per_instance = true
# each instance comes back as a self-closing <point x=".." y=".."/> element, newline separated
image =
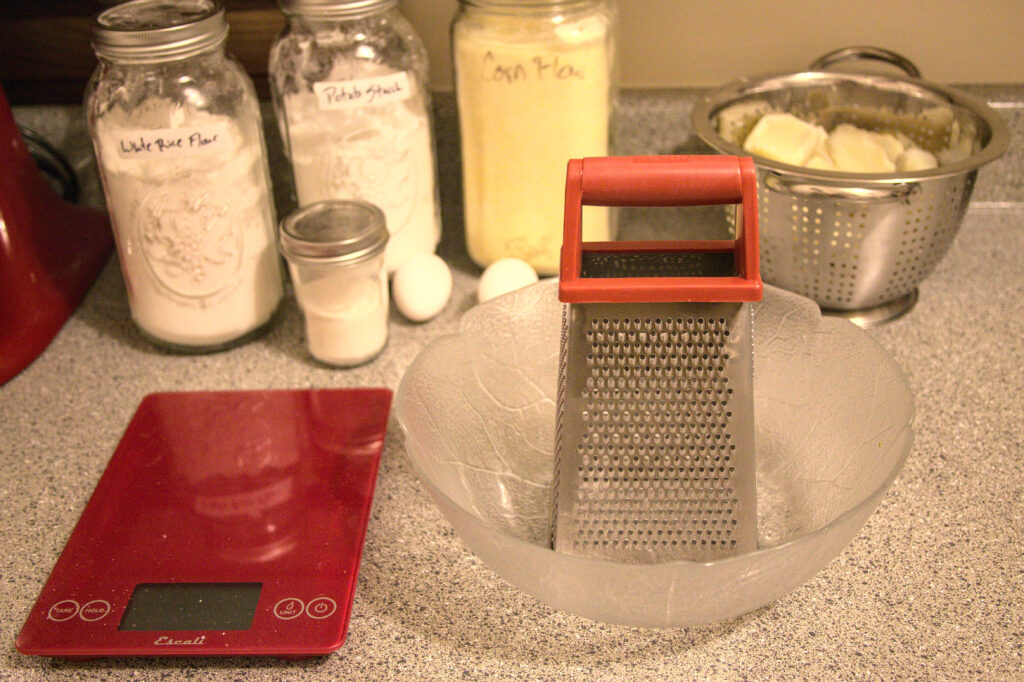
<point x="655" y="456"/>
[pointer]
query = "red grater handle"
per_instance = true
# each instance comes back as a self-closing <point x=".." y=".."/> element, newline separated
<point x="660" y="181"/>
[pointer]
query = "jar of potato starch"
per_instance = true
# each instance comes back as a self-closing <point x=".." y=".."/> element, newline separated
<point x="348" y="81"/>
<point x="176" y="128"/>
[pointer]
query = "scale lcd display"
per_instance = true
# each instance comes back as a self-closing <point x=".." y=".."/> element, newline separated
<point x="191" y="606"/>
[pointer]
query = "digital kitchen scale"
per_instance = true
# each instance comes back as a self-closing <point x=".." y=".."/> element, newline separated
<point x="226" y="523"/>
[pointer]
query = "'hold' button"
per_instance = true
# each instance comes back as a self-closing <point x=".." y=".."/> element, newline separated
<point x="94" y="610"/>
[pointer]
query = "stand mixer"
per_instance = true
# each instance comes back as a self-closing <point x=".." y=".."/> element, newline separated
<point x="50" y="253"/>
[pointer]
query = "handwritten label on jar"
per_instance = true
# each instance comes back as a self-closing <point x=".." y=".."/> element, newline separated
<point x="172" y="142"/>
<point x="363" y="92"/>
<point x="541" y="67"/>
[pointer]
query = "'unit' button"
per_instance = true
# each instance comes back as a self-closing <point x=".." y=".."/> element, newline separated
<point x="94" y="610"/>
<point x="63" y="610"/>
<point x="289" y="608"/>
<point x="321" y="607"/>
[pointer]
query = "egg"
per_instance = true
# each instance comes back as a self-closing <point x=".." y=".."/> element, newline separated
<point x="422" y="286"/>
<point x="504" y="275"/>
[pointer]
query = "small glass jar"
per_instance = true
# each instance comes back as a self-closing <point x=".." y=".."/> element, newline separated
<point x="335" y="253"/>
<point x="175" y="124"/>
<point x="349" y="88"/>
<point x="534" y="83"/>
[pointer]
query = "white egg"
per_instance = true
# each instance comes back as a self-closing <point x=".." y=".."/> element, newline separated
<point x="422" y="286"/>
<point x="503" y="276"/>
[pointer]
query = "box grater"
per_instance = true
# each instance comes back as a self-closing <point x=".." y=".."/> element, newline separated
<point x="654" y="453"/>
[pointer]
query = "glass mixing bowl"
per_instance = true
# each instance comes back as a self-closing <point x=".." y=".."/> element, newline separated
<point x="833" y="419"/>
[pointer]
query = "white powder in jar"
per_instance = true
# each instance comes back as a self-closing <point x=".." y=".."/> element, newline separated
<point x="347" y="143"/>
<point x="189" y="201"/>
<point x="346" y="312"/>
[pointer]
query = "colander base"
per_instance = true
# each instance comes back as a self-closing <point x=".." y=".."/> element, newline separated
<point x="879" y="314"/>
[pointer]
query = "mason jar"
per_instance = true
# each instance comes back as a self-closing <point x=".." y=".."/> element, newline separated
<point x="348" y="81"/>
<point x="335" y="253"/>
<point x="535" y="88"/>
<point x="176" y="128"/>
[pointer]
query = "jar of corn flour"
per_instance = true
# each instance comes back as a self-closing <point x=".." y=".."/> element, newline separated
<point x="534" y="83"/>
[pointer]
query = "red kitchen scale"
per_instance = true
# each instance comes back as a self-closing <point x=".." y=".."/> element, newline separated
<point x="227" y="523"/>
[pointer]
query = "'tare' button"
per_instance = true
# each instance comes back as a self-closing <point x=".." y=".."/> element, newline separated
<point x="63" y="610"/>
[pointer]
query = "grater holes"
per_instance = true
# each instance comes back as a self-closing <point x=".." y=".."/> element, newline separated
<point x="666" y="379"/>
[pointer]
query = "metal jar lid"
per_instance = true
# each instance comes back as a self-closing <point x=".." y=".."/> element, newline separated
<point x="159" y="29"/>
<point x="333" y="232"/>
<point x="530" y="6"/>
<point x="336" y="8"/>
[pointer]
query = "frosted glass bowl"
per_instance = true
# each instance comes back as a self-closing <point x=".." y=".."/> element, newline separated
<point x="833" y="419"/>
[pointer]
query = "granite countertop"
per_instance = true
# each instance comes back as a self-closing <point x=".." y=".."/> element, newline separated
<point x="932" y="587"/>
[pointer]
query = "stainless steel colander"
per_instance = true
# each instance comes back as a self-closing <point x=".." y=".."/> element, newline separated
<point x="858" y="244"/>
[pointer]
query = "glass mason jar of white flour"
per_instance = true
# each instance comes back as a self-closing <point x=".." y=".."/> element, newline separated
<point x="335" y="253"/>
<point x="176" y="128"/>
<point x="534" y="83"/>
<point x="349" y="88"/>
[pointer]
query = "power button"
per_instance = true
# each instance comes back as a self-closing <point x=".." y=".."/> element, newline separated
<point x="321" y="607"/>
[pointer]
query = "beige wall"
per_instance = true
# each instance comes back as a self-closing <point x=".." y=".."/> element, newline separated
<point x="672" y="43"/>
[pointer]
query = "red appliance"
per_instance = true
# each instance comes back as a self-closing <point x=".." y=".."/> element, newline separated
<point x="50" y="253"/>
<point x="227" y="523"/>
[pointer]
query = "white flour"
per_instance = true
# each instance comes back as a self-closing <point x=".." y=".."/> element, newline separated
<point x="188" y="195"/>
<point x="346" y="311"/>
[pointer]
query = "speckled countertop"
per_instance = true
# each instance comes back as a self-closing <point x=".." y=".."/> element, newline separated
<point x="931" y="588"/>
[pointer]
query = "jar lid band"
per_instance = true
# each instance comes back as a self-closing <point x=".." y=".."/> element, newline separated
<point x="336" y="8"/>
<point x="529" y="5"/>
<point x="334" y="232"/>
<point x="159" y="29"/>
